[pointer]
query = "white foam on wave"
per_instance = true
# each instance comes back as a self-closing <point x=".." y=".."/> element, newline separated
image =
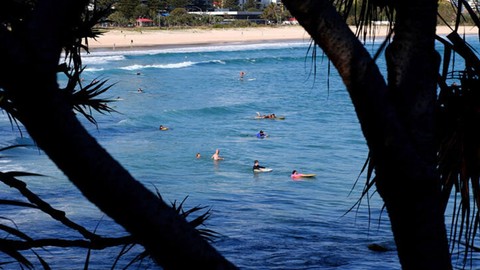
<point x="97" y="59"/>
<point x="171" y="65"/>
<point x="231" y="47"/>
<point x="93" y="69"/>
<point x="161" y="66"/>
<point x="117" y="54"/>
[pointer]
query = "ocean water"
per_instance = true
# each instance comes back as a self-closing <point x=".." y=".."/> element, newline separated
<point x="265" y="220"/>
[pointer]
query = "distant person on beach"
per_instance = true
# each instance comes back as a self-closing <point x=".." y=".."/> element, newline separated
<point x="217" y="156"/>
<point x="261" y="134"/>
<point x="256" y="165"/>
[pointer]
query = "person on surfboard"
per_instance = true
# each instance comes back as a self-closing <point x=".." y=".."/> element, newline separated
<point x="266" y="116"/>
<point x="295" y="174"/>
<point x="261" y="134"/>
<point x="256" y="165"/>
<point x="163" y="128"/>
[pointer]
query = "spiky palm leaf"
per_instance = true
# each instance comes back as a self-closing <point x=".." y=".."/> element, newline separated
<point x="13" y="15"/>
<point x="208" y="234"/>
<point x="458" y="119"/>
<point x="84" y="100"/>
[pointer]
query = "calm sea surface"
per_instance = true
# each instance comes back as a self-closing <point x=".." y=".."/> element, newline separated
<point x="266" y="220"/>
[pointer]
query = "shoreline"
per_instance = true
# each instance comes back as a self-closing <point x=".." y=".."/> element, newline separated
<point x="126" y="39"/>
<point x="150" y="38"/>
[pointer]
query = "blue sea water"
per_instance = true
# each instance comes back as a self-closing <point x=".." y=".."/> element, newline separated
<point x="266" y="220"/>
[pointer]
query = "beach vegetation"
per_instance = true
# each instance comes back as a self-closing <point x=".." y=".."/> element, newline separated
<point x="174" y="4"/>
<point x="250" y="5"/>
<point x="180" y="17"/>
<point x="275" y="13"/>
<point x="230" y="4"/>
<point x="127" y="8"/>
<point x="127" y="11"/>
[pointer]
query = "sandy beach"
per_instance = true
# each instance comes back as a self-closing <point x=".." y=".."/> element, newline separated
<point x="136" y="38"/>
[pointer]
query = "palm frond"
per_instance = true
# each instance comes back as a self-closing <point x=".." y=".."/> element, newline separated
<point x="208" y="234"/>
<point x="365" y="13"/>
<point x="458" y="116"/>
<point x="86" y="99"/>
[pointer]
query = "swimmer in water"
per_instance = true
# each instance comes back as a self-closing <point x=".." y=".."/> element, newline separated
<point x="217" y="156"/>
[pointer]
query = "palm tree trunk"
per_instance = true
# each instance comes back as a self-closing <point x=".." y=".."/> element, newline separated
<point x="50" y="121"/>
<point x="397" y="120"/>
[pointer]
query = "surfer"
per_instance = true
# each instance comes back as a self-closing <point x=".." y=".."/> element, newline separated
<point x="217" y="156"/>
<point x="197" y="155"/>
<point x="163" y="127"/>
<point x="268" y="116"/>
<point x="261" y="134"/>
<point x="256" y="166"/>
<point x="295" y="174"/>
<point x="242" y="74"/>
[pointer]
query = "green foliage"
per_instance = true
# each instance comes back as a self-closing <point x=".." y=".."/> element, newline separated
<point x="141" y="11"/>
<point x="173" y="4"/>
<point x="104" y="4"/>
<point x="154" y="6"/>
<point x="127" y="8"/>
<point x="179" y="12"/>
<point x="250" y="4"/>
<point x="358" y="12"/>
<point x="118" y="19"/>
<point x="447" y="13"/>
<point x="231" y="4"/>
<point x="275" y="13"/>
<point x="179" y="17"/>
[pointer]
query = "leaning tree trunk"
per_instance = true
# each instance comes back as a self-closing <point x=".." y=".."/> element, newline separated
<point x="396" y="119"/>
<point x="29" y="64"/>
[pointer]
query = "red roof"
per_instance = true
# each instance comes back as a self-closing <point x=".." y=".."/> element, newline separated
<point x="144" y="20"/>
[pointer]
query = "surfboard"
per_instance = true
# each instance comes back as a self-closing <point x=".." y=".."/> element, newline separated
<point x="263" y="170"/>
<point x="264" y="116"/>
<point x="303" y="175"/>
<point x="276" y="118"/>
